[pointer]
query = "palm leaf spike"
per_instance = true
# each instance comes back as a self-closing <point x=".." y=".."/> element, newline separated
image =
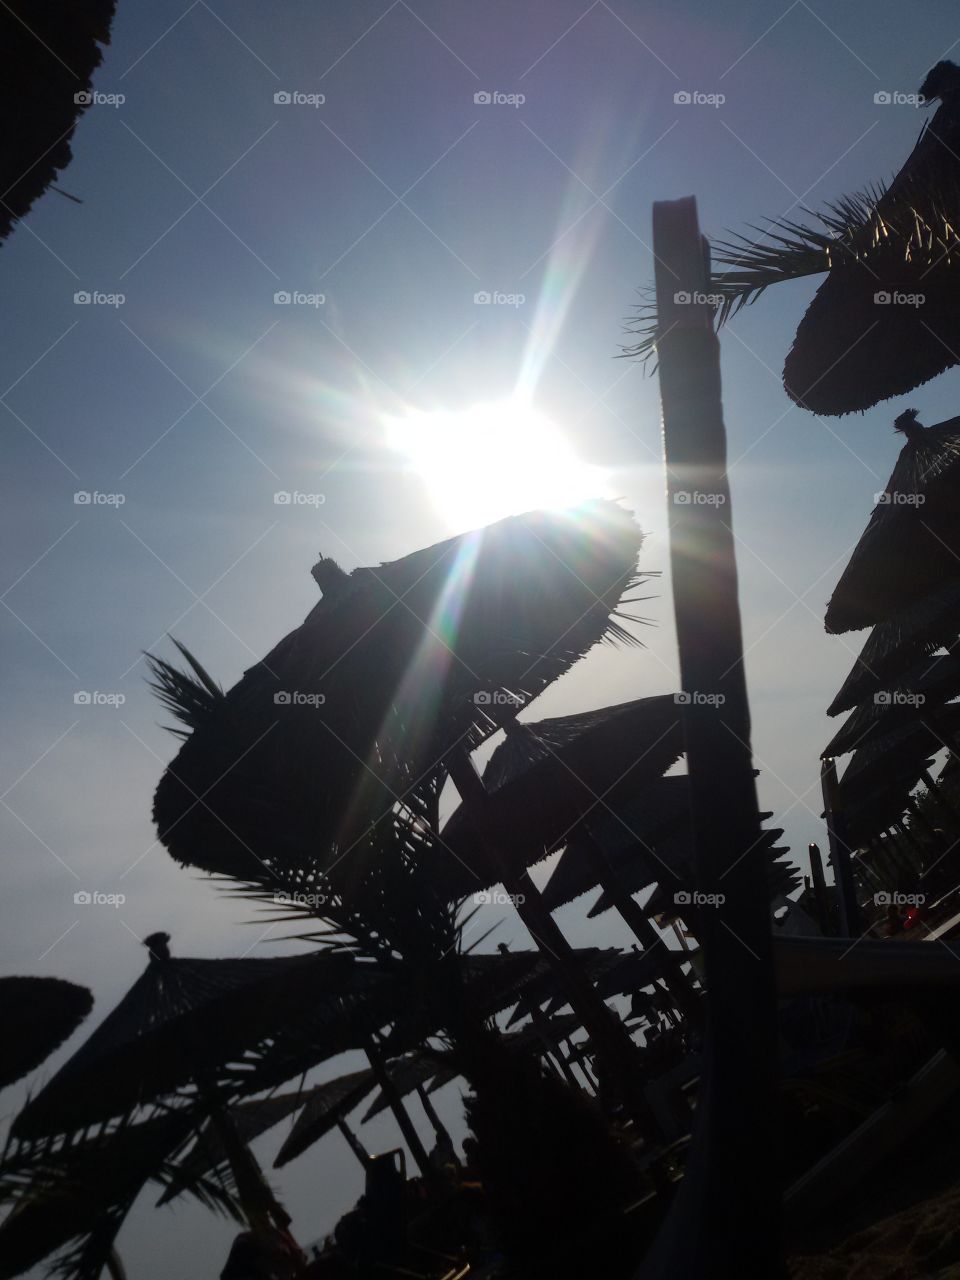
<point x="190" y="697"/>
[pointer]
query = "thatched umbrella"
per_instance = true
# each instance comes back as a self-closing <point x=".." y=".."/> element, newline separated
<point x="281" y="777"/>
<point x="50" y="50"/>
<point x="549" y="775"/>
<point x="911" y="545"/>
<point x="37" y="1015"/>
<point x="886" y="318"/>
<point x="896" y="653"/>
<point x="326" y="1106"/>
<point x="677" y="853"/>
<point x="249" y="1120"/>
<point x="188" y="1020"/>
<point x="937" y="679"/>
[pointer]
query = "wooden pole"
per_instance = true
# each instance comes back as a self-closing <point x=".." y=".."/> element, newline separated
<point x="726" y="1220"/>
<point x="392" y="1095"/>
<point x="850" y="921"/>
<point x="354" y="1143"/>
<point x="820" y="894"/>
<point x="635" y="918"/>
<point x="611" y="1041"/>
<point x="439" y="1128"/>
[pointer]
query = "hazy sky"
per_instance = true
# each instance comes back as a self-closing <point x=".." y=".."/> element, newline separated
<point x="396" y="199"/>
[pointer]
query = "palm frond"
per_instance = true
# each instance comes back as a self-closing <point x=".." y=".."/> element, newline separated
<point x="190" y="697"/>
<point x="916" y="225"/>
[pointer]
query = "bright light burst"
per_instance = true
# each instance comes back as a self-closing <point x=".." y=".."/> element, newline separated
<point x="493" y="460"/>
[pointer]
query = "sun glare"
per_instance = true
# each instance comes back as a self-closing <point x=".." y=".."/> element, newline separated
<point x="493" y="460"/>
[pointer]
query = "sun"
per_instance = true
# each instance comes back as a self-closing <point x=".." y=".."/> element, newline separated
<point x="492" y="460"/>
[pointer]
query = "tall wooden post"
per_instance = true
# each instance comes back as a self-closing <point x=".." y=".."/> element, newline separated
<point x="726" y="1220"/>
<point x="850" y="920"/>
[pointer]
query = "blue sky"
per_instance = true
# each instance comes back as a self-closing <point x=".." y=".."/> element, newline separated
<point x="397" y="199"/>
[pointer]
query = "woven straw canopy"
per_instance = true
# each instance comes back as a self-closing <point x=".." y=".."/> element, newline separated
<point x="184" y="1019"/>
<point x="325" y="1105"/>
<point x="550" y="774"/>
<point x="860" y="340"/>
<point x="911" y="545"/>
<point x="391" y="669"/>
<point x="37" y="1015"/>
<point x="920" y="695"/>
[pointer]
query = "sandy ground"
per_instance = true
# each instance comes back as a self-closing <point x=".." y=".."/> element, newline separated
<point x="919" y="1243"/>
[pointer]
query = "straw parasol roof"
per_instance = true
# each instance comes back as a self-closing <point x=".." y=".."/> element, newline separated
<point x="675" y="856"/>
<point x="550" y="774"/>
<point x="407" y="1073"/>
<point x="934" y="681"/>
<point x="911" y="545"/>
<point x="187" y="1018"/>
<point x="325" y="1105"/>
<point x="51" y="49"/>
<point x="249" y="1120"/>
<point x="37" y="1015"/>
<point x="396" y="664"/>
<point x="897" y="651"/>
<point x="851" y="350"/>
<point x="627" y="835"/>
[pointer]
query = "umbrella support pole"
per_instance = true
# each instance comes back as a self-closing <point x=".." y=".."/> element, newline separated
<point x="355" y="1145"/>
<point x="635" y="918"/>
<point x="611" y="1041"/>
<point x="820" y="895"/>
<point x="115" y="1267"/>
<point x="850" y="920"/>
<point x="265" y="1214"/>
<point x="726" y="1218"/>
<point x="394" y="1101"/>
<point x="439" y="1128"/>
